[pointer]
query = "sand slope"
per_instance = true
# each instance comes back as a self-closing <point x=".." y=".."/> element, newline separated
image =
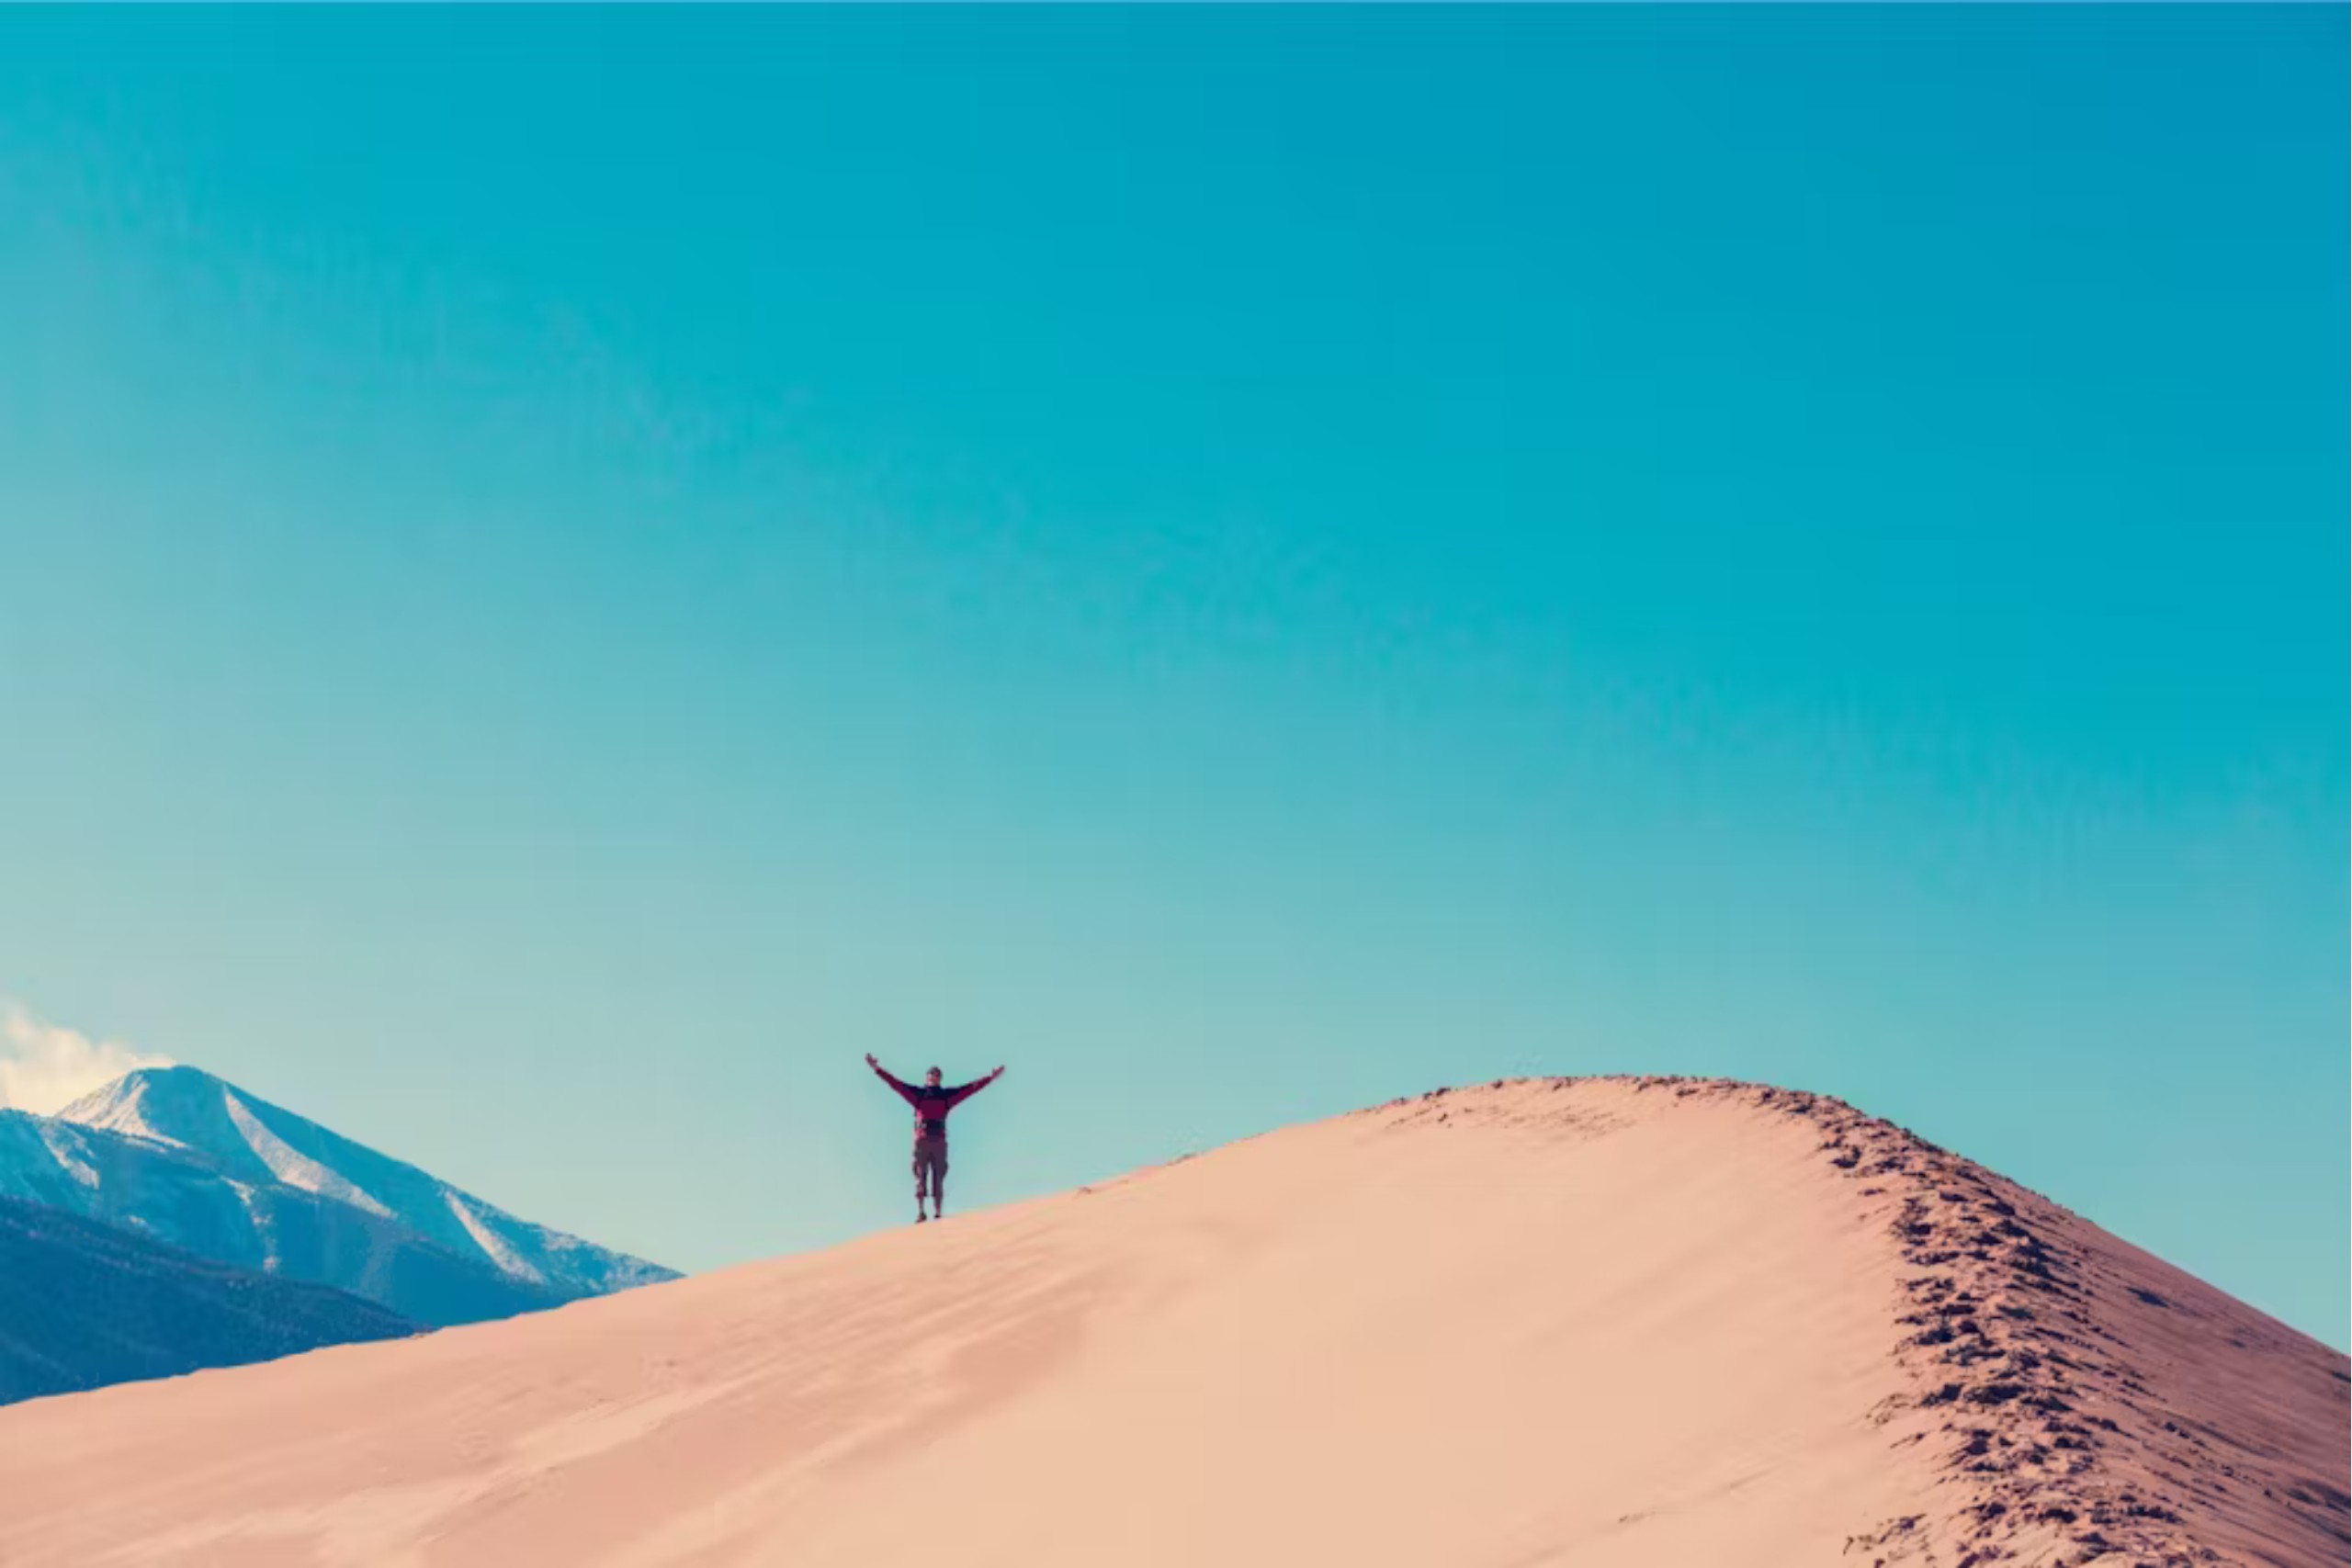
<point x="1591" y="1322"/>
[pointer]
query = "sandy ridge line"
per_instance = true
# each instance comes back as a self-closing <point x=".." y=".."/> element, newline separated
<point x="2051" y="1446"/>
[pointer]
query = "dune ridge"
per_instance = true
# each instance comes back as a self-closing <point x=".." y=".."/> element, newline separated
<point x="1624" y="1323"/>
<point x="2031" y="1341"/>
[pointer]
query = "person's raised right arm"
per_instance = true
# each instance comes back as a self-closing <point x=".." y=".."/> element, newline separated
<point x="906" y="1091"/>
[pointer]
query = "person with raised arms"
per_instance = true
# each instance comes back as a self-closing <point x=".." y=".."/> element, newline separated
<point x="932" y="1102"/>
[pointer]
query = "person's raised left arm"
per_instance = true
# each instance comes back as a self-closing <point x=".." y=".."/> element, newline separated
<point x="963" y="1092"/>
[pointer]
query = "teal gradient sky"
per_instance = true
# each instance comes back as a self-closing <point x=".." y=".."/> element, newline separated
<point x="565" y="574"/>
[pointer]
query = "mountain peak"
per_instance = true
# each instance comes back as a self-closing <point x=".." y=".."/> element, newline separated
<point x="139" y="1102"/>
<point x="170" y="1078"/>
<point x="257" y="1147"/>
<point x="177" y="1104"/>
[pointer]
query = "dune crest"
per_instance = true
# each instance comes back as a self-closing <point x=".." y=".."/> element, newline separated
<point x="1606" y="1322"/>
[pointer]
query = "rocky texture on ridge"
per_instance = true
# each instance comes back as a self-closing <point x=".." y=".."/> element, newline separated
<point x="2083" y="1400"/>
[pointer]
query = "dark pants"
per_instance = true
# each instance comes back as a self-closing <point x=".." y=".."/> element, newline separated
<point x="931" y="1168"/>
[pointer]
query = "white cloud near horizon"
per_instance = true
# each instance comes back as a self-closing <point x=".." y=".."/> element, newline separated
<point x="45" y="1068"/>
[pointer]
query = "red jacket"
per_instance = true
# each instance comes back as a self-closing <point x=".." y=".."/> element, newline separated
<point x="931" y="1105"/>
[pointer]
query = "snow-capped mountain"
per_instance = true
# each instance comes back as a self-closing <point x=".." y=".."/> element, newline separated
<point x="180" y="1198"/>
<point x="86" y="1304"/>
<point x="186" y="1158"/>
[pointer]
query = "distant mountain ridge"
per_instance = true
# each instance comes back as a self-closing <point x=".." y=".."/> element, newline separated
<point x="180" y="1157"/>
<point x="84" y="1304"/>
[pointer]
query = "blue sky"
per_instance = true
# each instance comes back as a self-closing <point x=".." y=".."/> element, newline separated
<point x="563" y="575"/>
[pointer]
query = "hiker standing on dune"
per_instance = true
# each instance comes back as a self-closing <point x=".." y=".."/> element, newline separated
<point x="932" y="1103"/>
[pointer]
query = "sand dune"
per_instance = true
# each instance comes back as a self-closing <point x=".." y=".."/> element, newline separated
<point x="1589" y="1322"/>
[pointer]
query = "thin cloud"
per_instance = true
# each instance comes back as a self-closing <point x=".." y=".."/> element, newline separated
<point x="45" y="1068"/>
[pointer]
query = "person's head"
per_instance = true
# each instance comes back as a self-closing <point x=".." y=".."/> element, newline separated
<point x="931" y="1078"/>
